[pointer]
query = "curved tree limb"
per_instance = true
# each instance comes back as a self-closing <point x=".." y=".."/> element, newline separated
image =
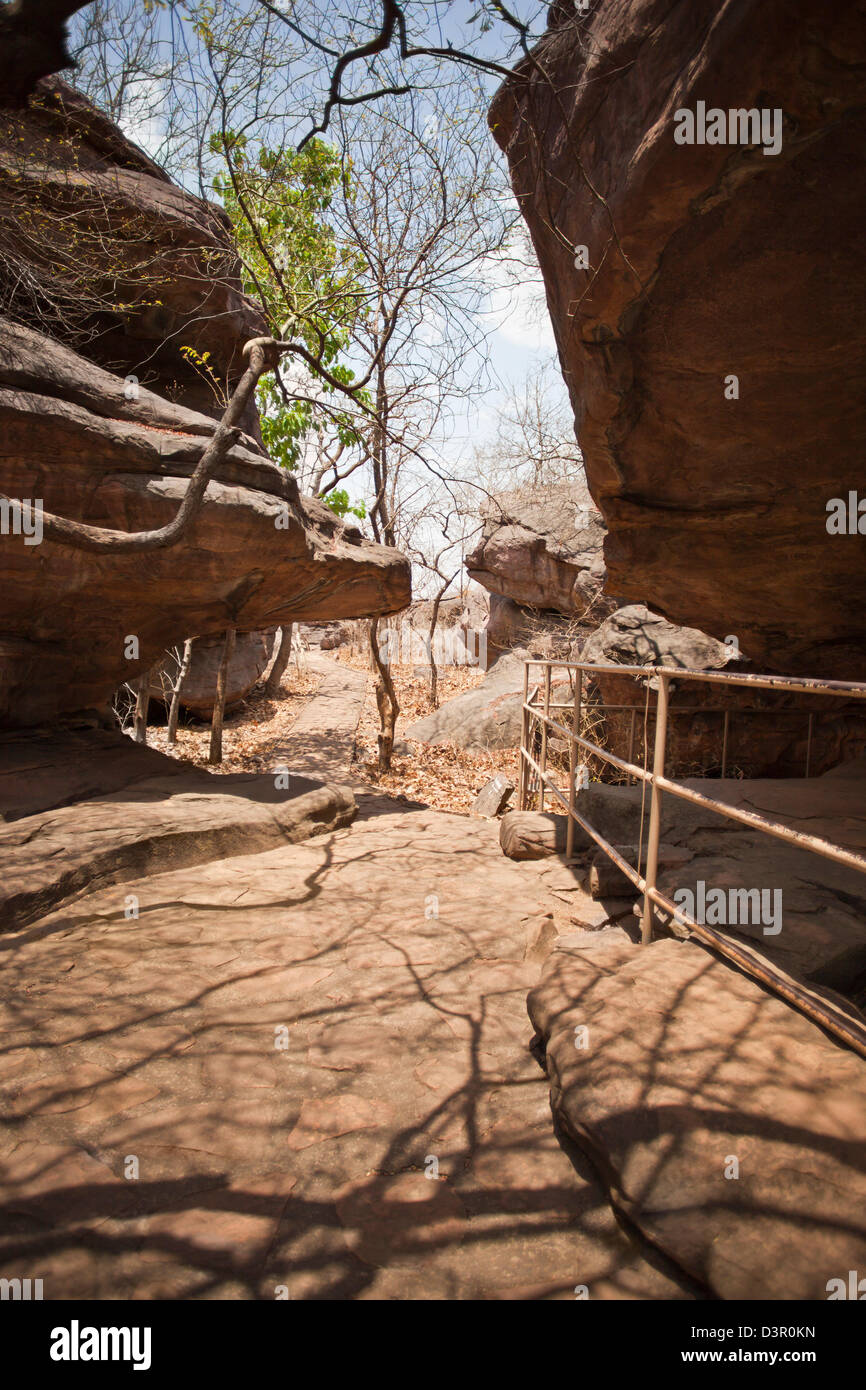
<point x="262" y="355"/>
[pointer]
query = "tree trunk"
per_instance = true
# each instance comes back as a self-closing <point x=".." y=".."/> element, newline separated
<point x="216" y="728"/>
<point x="280" y="662"/>
<point x="434" y="673"/>
<point x="142" y="704"/>
<point x="386" y="701"/>
<point x="183" y="672"/>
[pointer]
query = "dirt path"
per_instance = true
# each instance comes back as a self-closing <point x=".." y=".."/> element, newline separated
<point x="303" y="1073"/>
<point x="322" y="738"/>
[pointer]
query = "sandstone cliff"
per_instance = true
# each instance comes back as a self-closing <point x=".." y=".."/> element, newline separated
<point x="88" y="445"/>
<point x="707" y="261"/>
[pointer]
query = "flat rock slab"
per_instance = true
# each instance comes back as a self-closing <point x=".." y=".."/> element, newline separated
<point x="184" y="817"/>
<point x="687" y="1073"/>
<point x="821" y="936"/>
<point x="306" y="1068"/>
<point x="41" y="769"/>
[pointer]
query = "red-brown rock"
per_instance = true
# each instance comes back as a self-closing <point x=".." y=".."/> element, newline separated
<point x="706" y="261"/>
<point x="158" y="268"/>
<point x="257" y="555"/>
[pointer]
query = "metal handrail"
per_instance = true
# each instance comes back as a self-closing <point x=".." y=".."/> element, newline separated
<point x="822" y="1011"/>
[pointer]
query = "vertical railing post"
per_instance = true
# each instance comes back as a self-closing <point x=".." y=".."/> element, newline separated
<point x="725" y="742"/>
<point x="628" y="780"/>
<point x="652" y="857"/>
<point x="543" y="759"/>
<point x="524" y="742"/>
<point x="572" y="763"/>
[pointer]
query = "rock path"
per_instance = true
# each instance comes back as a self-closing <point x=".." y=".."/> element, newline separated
<point x="321" y="741"/>
<point x="302" y="1072"/>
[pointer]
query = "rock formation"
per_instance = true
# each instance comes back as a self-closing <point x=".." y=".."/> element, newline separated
<point x="683" y="1064"/>
<point x="769" y="733"/>
<point x="707" y="262"/>
<point x="251" y="654"/>
<point x="151" y="813"/>
<point x="87" y="444"/>
<point x="486" y="717"/>
<point x="141" y="271"/>
<point x="326" y="636"/>
<point x="540" y="556"/>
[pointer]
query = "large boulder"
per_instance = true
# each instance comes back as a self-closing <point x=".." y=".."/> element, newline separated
<point x="257" y="555"/>
<point x="140" y="272"/>
<point x="489" y="716"/>
<point x="250" y="656"/>
<point x="326" y="636"/>
<point x="706" y="262"/>
<point x="728" y="1128"/>
<point x="157" y="272"/>
<point x="633" y="636"/>
<point x="540" y="556"/>
<point x="541" y="548"/>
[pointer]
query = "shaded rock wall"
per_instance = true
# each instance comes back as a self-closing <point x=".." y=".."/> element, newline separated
<point x="704" y="261"/>
<point x="769" y="732"/>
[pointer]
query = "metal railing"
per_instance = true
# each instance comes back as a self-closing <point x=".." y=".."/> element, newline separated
<point x="538" y="721"/>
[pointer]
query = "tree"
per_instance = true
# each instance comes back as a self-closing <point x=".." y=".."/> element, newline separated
<point x="280" y="661"/>
<point x="534" y="444"/>
<point x="364" y="253"/>
<point x="216" y="729"/>
<point x="386" y="697"/>
<point x="443" y="536"/>
<point x="306" y="281"/>
<point x="182" y="672"/>
<point x="369" y="257"/>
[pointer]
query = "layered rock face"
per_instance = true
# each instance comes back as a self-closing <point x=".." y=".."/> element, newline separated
<point x="86" y="444"/>
<point x="540" y="556"/>
<point x="140" y="270"/>
<point x="706" y="262"/>
<point x="258" y="554"/>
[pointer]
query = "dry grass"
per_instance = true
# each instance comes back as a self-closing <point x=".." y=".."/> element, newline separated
<point x="440" y="775"/>
<point x="252" y="733"/>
